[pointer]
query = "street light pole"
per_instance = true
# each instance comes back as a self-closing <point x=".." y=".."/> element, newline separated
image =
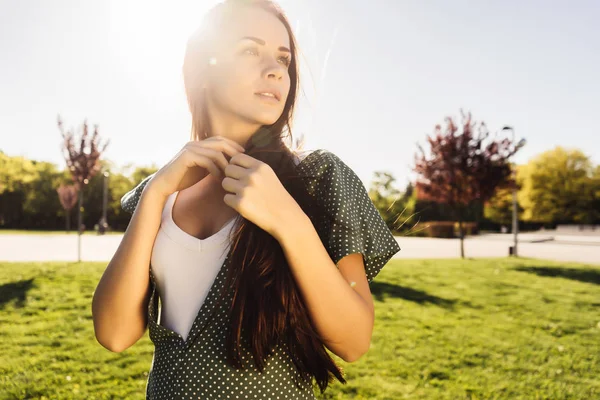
<point x="103" y="222"/>
<point x="515" y="221"/>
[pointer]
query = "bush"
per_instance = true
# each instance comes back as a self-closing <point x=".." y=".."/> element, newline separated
<point x="469" y="228"/>
<point x="449" y="229"/>
<point x="440" y="229"/>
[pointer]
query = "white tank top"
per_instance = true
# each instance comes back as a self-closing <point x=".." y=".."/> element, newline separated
<point x="185" y="267"/>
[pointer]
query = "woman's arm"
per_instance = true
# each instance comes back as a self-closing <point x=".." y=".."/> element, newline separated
<point x="119" y="305"/>
<point x="347" y="241"/>
<point x="341" y="314"/>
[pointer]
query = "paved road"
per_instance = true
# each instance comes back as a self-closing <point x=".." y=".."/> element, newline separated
<point x="496" y="247"/>
<point x="101" y="248"/>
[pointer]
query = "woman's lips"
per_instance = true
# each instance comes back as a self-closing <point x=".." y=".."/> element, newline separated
<point x="268" y="99"/>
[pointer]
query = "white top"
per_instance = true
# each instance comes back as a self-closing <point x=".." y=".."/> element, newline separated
<point x="185" y="267"/>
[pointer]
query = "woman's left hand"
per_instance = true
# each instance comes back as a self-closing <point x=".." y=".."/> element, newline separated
<point x="257" y="194"/>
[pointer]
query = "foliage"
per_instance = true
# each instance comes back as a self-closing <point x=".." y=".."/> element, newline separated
<point x="462" y="166"/>
<point x="499" y="208"/>
<point x="82" y="156"/>
<point x="29" y="199"/>
<point x="560" y="186"/>
<point x="396" y="207"/>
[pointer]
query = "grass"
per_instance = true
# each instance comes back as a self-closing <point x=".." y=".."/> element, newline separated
<point x="445" y="329"/>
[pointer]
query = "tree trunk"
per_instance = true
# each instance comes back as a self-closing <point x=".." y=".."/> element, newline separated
<point x="68" y="227"/>
<point x="79" y="226"/>
<point x="460" y="232"/>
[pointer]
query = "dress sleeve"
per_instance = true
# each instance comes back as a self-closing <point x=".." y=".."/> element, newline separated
<point x="130" y="199"/>
<point x="349" y="222"/>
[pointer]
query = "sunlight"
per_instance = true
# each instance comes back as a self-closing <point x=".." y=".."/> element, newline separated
<point x="148" y="40"/>
<point x="150" y="36"/>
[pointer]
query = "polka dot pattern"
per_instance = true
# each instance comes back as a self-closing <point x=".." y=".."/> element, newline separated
<point x="354" y="224"/>
<point x="197" y="368"/>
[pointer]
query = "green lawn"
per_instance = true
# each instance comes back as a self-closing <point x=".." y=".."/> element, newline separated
<point x="445" y="329"/>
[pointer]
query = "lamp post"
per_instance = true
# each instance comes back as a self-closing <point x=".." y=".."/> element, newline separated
<point x="515" y="222"/>
<point x="104" y="223"/>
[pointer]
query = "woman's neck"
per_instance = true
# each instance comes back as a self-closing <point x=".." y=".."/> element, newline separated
<point x="231" y="126"/>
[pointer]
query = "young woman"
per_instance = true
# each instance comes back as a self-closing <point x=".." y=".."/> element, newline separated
<point x="261" y="257"/>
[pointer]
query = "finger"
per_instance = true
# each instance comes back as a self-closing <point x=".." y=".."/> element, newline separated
<point x="235" y="171"/>
<point x="237" y="145"/>
<point x="245" y="161"/>
<point x="216" y="156"/>
<point x="230" y="149"/>
<point x="231" y="185"/>
<point x="218" y="139"/>
<point x="233" y="142"/>
<point x="203" y="161"/>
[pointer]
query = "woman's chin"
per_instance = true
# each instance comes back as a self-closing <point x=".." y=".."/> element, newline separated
<point x="269" y="119"/>
<point x="259" y="117"/>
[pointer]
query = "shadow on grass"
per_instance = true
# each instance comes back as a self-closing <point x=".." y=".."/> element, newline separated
<point x="587" y="275"/>
<point x="379" y="290"/>
<point x="15" y="290"/>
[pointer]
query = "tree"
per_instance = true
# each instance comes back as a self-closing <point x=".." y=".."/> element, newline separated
<point x="595" y="183"/>
<point x="26" y="192"/>
<point x="15" y="172"/>
<point x="560" y="185"/>
<point x="396" y="207"/>
<point x="499" y="207"/>
<point x="460" y="168"/>
<point x="83" y="162"/>
<point x="67" y="195"/>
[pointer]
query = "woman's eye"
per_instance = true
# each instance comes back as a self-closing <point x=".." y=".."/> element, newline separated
<point x="251" y="51"/>
<point x="286" y="60"/>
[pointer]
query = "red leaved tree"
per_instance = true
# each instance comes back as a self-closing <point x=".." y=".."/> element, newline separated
<point x="83" y="161"/>
<point x="67" y="195"/>
<point x="463" y="166"/>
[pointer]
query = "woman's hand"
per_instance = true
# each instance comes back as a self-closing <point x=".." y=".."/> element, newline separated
<point x="258" y="195"/>
<point x="193" y="163"/>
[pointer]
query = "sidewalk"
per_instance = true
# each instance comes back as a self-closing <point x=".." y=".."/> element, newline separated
<point x="547" y="236"/>
<point x="102" y="248"/>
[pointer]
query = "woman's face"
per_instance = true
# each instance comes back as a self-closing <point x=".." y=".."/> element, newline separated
<point x="252" y="57"/>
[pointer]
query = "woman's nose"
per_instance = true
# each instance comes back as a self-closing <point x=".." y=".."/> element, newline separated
<point x="274" y="70"/>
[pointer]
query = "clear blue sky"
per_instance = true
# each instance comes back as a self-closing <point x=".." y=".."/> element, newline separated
<point x="378" y="75"/>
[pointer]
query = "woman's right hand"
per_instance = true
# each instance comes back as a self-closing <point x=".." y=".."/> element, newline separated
<point x="194" y="162"/>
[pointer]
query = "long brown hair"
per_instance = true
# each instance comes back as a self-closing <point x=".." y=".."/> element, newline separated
<point x="267" y="304"/>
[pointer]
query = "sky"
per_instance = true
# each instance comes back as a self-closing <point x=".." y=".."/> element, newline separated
<point x="377" y="76"/>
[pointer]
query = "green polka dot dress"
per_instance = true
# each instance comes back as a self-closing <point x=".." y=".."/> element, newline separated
<point x="196" y="368"/>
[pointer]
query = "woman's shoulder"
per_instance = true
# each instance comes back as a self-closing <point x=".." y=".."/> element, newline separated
<point x="318" y="156"/>
<point x="324" y="164"/>
<point x="300" y="155"/>
<point x="130" y="199"/>
<point x="345" y="216"/>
